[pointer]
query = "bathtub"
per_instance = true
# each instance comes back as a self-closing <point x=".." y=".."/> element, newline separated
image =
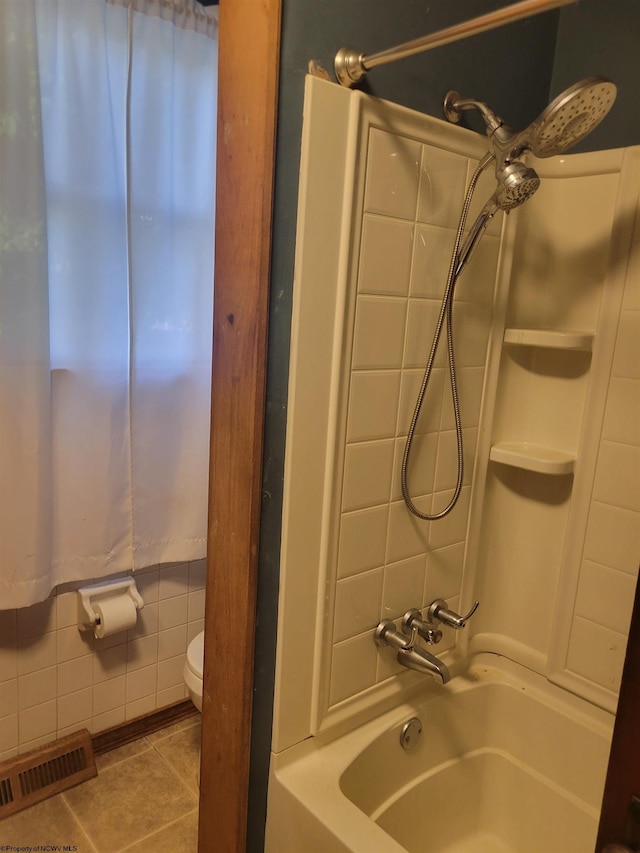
<point x="505" y="763"/>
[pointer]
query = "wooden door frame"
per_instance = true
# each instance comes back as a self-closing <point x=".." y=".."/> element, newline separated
<point x="249" y="37"/>
<point x="248" y="80"/>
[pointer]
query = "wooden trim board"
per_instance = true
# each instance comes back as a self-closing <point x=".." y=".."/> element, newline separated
<point x="248" y="78"/>
<point x="124" y="733"/>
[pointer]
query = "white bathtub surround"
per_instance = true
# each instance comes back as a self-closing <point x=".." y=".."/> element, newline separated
<point x="366" y="301"/>
<point x="506" y="762"/>
<point x="547" y="321"/>
<point x="554" y="557"/>
<point x="378" y="209"/>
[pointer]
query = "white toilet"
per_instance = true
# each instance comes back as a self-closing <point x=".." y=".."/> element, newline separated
<point x="192" y="672"/>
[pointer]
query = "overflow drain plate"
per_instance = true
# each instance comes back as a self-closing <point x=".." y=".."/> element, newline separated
<point x="411" y="733"/>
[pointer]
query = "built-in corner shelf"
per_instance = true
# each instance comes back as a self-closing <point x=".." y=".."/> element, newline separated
<point x="551" y="338"/>
<point x="532" y="457"/>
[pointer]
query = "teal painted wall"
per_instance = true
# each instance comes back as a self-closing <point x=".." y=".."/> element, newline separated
<point x="600" y="37"/>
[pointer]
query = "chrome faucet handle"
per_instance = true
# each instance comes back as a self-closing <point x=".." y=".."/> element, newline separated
<point x="386" y="635"/>
<point x="413" y="639"/>
<point x="413" y="621"/>
<point x="438" y="612"/>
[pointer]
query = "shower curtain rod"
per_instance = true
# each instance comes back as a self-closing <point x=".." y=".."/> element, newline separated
<point x="351" y="65"/>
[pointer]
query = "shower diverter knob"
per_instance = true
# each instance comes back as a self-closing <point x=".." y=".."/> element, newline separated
<point x="412" y="621"/>
<point x="438" y="612"/>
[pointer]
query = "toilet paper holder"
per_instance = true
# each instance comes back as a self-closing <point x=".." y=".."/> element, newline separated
<point x="87" y="617"/>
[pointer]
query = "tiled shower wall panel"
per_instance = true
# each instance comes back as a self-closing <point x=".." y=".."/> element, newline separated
<point x="609" y="568"/>
<point x="387" y="560"/>
<point x="55" y="679"/>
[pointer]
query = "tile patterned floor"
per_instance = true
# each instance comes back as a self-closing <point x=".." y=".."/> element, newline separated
<point x="144" y="799"/>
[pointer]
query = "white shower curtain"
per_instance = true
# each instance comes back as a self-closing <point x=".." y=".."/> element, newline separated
<point x="107" y="171"/>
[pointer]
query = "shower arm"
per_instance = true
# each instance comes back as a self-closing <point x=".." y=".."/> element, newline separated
<point x="505" y="140"/>
<point x="351" y="65"/>
<point x="454" y="105"/>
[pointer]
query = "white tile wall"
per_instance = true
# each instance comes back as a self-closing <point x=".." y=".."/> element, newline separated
<point x="357" y="604"/>
<point x="408" y="224"/>
<point x="395" y="161"/>
<point x="353" y="667"/>
<point x="373" y="405"/>
<point x="55" y="679"/>
<point x="443" y="178"/>
<point x="540" y="594"/>
<point x="367" y="474"/>
<point x="387" y="560"/>
<point x="611" y="555"/>
<point x="387" y="246"/>
<point x="379" y="332"/>
<point x="363" y="538"/>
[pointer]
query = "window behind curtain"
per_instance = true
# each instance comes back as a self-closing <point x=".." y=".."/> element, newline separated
<point x="128" y="107"/>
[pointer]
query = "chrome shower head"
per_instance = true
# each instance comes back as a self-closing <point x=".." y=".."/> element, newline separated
<point x="516" y="184"/>
<point x="571" y="116"/>
<point x="565" y="122"/>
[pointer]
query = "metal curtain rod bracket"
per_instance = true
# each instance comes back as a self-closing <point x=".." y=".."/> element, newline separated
<point x="351" y="65"/>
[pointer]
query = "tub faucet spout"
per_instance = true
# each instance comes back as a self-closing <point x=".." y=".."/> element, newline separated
<point x="410" y="654"/>
<point x="420" y="660"/>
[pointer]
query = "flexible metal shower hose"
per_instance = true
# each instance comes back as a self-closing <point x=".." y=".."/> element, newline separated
<point x="446" y="312"/>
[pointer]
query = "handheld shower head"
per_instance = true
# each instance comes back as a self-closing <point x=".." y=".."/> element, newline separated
<point x="567" y="120"/>
<point x="516" y="184"/>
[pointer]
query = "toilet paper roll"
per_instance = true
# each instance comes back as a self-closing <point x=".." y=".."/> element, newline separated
<point x="114" y="614"/>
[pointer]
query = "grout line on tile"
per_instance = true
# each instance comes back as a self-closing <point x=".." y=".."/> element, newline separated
<point x="157" y="831"/>
<point x="124" y="758"/>
<point x="174" y="728"/>
<point x="118" y="764"/>
<point x="178" y="777"/>
<point x="599" y="625"/>
<point x="92" y="844"/>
